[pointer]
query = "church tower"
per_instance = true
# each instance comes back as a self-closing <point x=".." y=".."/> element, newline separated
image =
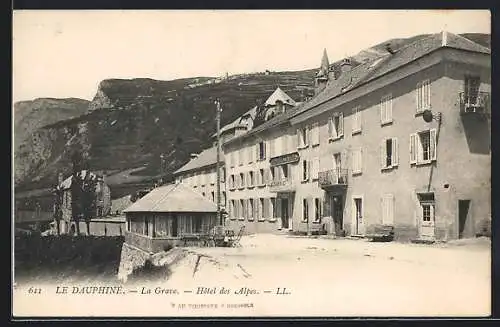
<point x="322" y="75"/>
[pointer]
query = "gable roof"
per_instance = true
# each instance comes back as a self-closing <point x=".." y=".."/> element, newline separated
<point x="206" y="158"/>
<point x="370" y="70"/>
<point x="83" y="174"/>
<point x="377" y="67"/>
<point x="172" y="198"/>
<point x="237" y="122"/>
<point x="279" y="95"/>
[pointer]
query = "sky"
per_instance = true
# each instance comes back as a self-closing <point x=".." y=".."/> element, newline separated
<point x="66" y="53"/>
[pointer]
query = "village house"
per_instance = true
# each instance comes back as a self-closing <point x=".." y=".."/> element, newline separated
<point x="163" y="216"/>
<point x="402" y="140"/>
<point x="102" y="201"/>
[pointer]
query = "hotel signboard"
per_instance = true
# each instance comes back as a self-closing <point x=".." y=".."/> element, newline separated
<point x="285" y="159"/>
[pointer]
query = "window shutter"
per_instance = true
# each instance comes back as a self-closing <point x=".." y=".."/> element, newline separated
<point x="315" y="167"/>
<point x="271" y="148"/>
<point x="382" y="110"/>
<point x="298" y="138"/>
<point x="428" y="97"/>
<point x="382" y="154"/>
<point x="256" y="208"/>
<point x="308" y="135"/>
<point x="340" y="132"/>
<point x="278" y="207"/>
<point x="360" y="160"/>
<point x="419" y="97"/>
<point x="343" y="160"/>
<point x="289" y="171"/>
<point x="264" y="143"/>
<point x="330" y="127"/>
<point x="257" y="157"/>
<point x="413" y="149"/>
<point x="395" y="153"/>
<point x="389" y="109"/>
<point x="433" y="144"/>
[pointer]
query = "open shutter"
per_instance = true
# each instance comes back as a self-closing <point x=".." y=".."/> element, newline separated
<point x="360" y="160"/>
<point x="433" y="145"/>
<point x="395" y="153"/>
<point x="389" y="109"/>
<point x="382" y="110"/>
<point x="308" y="135"/>
<point x="330" y="127"/>
<point x="257" y="157"/>
<point x="413" y="148"/>
<point x="271" y="148"/>
<point x="298" y="138"/>
<point x="418" y="96"/>
<point x="340" y="132"/>
<point x="383" y="154"/>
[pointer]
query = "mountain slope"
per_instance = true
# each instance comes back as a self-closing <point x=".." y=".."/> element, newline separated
<point x="31" y="115"/>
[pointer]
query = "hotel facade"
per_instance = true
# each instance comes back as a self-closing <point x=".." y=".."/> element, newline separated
<point x="360" y="154"/>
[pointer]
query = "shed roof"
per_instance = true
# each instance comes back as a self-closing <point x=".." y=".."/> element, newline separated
<point x="172" y="198"/>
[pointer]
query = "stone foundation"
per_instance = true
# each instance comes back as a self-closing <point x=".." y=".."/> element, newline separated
<point x="131" y="258"/>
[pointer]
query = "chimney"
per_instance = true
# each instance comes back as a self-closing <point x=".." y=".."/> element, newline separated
<point x="193" y="155"/>
<point x="345" y="66"/>
<point x="389" y="49"/>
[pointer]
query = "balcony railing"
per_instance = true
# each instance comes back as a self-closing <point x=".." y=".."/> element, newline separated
<point x="332" y="177"/>
<point x="281" y="185"/>
<point x="475" y="102"/>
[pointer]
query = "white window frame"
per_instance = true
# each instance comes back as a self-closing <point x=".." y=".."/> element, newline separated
<point x="357" y="124"/>
<point x="357" y="161"/>
<point x="336" y="132"/>
<point x="314" y="169"/>
<point x="243" y="209"/>
<point x="251" y="179"/>
<point x="305" y="210"/>
<point x="261" y="209"/>
<point x="250" y="209"/>
<point x="241" y="179"/>
<point x="317" y="210"/>
<point x="303" y="137"/>
<point x="416" y="148"/>
<point x="315" y="134"/>
<point x="386" y="110"/>
<point x="423" y="96"/>
<point x="262" y="174"/>
<point x="306" y="170"/>
<point x="394" y="153"/>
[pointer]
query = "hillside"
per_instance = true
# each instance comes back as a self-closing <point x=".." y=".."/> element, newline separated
<point x="129" y="123"/>
<point x="31" y="115"/>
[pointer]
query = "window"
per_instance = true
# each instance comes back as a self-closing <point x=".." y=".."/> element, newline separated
<point x="302" y="137"/>
<point x="231" y="182"/>
<point x="223" y="199"/>
<point x="232" y="209"/>
<point x="203" y="193"/>
<point x="222" y="175"/>
<point x="261" y="150"/>
<point x="242" y="180"/>
<point x="261" y="209"/>
<point x="250" y="209"/>
<point x="315" y="168"/>
<point x="386" y="109"/>
<point x="250" y="154"/>
<point x="315" y="134"/>
<point x="356" y="120"/>
<point x="251" y="180"/>
<point x="336" y="126"/>
<point x="423" y="147"/>
<point x="305" y="210"/>
<point x="471" y="88"/>
<point x="388" y="209"/>
<point x="265" y="211"/>
<point x="317" y="210"/>
<point x="284" y="170"/>
<point x="427" y="206"/>
<point x="261" y="177"/>
<point x="305" y="170"/>
<point x="423" y="96"/>
<point x="389" y="153"/>
<point x="236" y="158"/>
<point x="242" y="154"/>
<point x="213" y="196"/>
<point x="243" y="213"/>
<point x="357" y="161"/>
<point x="274" y="208"/>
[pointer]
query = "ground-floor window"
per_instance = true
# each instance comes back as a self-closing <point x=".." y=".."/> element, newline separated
<point x="305" y="210"/>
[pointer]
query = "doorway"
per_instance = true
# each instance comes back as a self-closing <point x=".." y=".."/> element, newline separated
<point x="358" y="216"/>
<point x="338" y="213"/>
<point x="463" y="213"/>
<point x="284" y="213"/>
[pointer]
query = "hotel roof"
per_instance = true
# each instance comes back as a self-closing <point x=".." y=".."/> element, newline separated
<point x="207" y="157"/>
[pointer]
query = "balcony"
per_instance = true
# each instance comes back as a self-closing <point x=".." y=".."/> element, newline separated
<point x="281" y="185"/>
<point x="333" y="178"/>
<point x="474" y="103"/>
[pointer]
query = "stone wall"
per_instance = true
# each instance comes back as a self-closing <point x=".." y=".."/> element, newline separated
<point x="131" y="258"/>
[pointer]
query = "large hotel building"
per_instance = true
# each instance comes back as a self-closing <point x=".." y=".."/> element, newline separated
<point x="400" y="140"/>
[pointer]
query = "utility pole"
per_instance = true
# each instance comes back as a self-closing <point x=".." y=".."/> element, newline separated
<point x="217" y="167"/>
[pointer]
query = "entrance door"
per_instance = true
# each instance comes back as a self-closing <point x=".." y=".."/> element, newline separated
<point x="338" y="213"/>
<point x="358" y="215"/>
<point x="427" y="220"/>
<point x="463" y="212"/>
<point x="284" y="213"/>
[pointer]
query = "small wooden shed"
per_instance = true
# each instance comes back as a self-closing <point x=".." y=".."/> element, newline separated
<point x="166" y="214"/>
